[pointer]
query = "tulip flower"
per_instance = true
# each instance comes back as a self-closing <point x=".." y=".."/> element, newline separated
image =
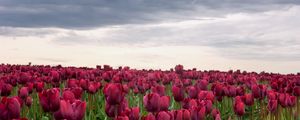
<point x="164" y="103"/>
<point x="248" y="99"/>
<point x="149" y="117"/>
<point x="272" y="105"/>
<point x="163" y="115"/>
<point x="114" y="93"/>
<point x="28" y="101"/>
<point x="23" y="92"/>
<point x="152" y="102"/>
<point x="50" y="100"/>
<point x="160" y="89"/>
<point x="134" y="113"/>
<point x="178" y="93"/>
<point x="9" y="108"/>
<point x="68" y="96"/>
<point x="71" y="111"/>
<point x="239" y="107"/>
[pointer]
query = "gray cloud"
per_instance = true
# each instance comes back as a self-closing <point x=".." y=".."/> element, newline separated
<point x="264" y="36"/>
<point x="94" y="13"/>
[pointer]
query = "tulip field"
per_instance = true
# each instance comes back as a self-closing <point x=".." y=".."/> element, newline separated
<point x="43" y="92"/>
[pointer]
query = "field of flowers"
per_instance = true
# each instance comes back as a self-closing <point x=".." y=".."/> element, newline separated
<point x="103" y="93"/>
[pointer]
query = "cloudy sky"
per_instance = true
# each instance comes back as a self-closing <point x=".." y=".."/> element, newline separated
<point x="256" y="35"/>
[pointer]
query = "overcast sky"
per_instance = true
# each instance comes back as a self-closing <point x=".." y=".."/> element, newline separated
<point x="253" y="35"/>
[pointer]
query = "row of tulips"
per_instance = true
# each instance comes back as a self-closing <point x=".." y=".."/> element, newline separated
<point x="71" y="93"/>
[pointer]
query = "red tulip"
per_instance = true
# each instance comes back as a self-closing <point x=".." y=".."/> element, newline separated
<point x="39" y="86"/>
<point x="206" y="95"/>
<point x="10" y="108"/>
<point x="83" y="83"/>
<point x="163" y="115"/>
<point x="72" y="111"/>
<point x="239" y="107"/>
<point x="114" y="93"/>
<point x="192" y="92"/>
<point x="121" y="118"/>
<point x="28" y="101"/>
<point x="150" y="116"/>
<point x="159" y="89"/>
<point x="5" y="89"/>
<point x="218" y="89"/>
<point x="248" y="99"/>
<point x="296" y="91"/>
<point x="152" y="102"/>
<point x="134" y="114"/>
<point x="115" y="110"/>
<point x="272" y="105"/>
<point x="68" y="96"/>
<point x="164" y="103"/>
<point x="201" y="85"/>
<point x="182" y="114"/>
<point x="178" y="93"/>
<point x="215" y="112"/>
<point x="179" y="69"/>
<point x="72" y="83"/>
<point x="49" y="99"/>
<point x="23" y="92"/>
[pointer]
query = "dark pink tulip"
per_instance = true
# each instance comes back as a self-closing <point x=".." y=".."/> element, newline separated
<point x="30" y="87"/>
<point x="152" y="102"/>
<point x="159" y="89"/>
<point x="182" y="114"/>
<point x="50" y="100"/>
<point x="192" y="92"/>
<point x="259" y="91"/>
<point x="72" y="83"/>
<point x="55" y="77"/>
<point x="150" y="116"/>
<point x="179" y="69"/>
<point x="215" y="112"/>
<point x="271" y="95"/>
<point x="201" y="85"/>
<point x="121" y="118"/>
<point x="10" y="109"/>
<point x="201" y="113"/>
<point x="296" y="91"/>
<point x="178" y="93"/>
<point x="134" y="113"/>
<point x="208" y="106"/>
<point x="272" y="105"/>
<point x="23" y="92"/>
<point x="114" y="93"/>
<point x="206" y="95"/>
<point x="231" y="91"/>
<point x="240" y="91"/>
<point x="77" y="92"/>
<point x="83" y="83"/>
<point x="248" y="99"/>
<point x="69" y="96"/>
<point x="28" y="101"/>
<point x="20" y="100"/>
<point x="239" y="107"/>
<point x="163" y="115"/>
<point x="5" y="89"/>
<point x="218" y="117"/>
<point x="218" y="89"/>
<point x="114" y="110"/>
<point x="93" y="87"/>
<point x="189" y="103"/>
<point x="72" y="111"/>
<point x="39" y="86"/>
<point x="186" y="114"/>
<point x="164" y="103"/>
